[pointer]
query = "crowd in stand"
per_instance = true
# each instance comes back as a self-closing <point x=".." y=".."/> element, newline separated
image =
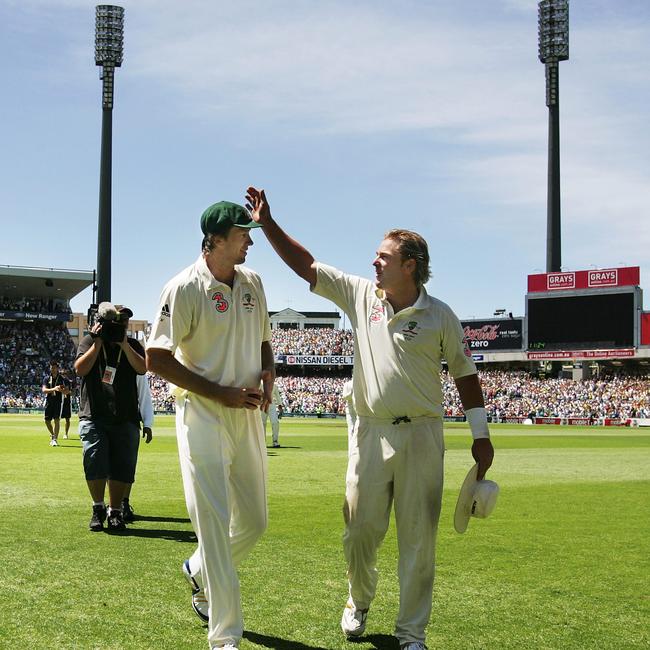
<point x="25" y="353"/>
<point x="312" y="394"/>
<point x="512" y="394"/>
<point x="27" y="348"/>
<point x="316" y="341"/>
<point x="508" y="394"/>
<point x="300" y="394"/>
<point x="162" y="400"/>
<point x="33" y="304"/>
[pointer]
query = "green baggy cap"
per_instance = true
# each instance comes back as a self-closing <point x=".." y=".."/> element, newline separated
<point x="220" y="216"/>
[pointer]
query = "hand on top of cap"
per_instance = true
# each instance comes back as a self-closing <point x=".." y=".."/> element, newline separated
<point x="258" y="205"/>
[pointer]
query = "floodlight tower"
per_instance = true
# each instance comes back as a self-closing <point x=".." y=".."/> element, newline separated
<point x="553" y="23"/>
<point x="109" y="40"/>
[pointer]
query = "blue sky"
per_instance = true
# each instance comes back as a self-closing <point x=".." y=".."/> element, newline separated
<point x="355" y="117"/>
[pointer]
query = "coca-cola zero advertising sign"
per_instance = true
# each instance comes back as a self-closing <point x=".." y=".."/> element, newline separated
<point x="498" y="334"/>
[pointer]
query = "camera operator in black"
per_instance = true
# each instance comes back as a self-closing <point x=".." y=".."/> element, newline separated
<point x="109" y="418"/>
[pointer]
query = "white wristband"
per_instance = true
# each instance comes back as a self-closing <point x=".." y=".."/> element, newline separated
<point x="477" y="420"/>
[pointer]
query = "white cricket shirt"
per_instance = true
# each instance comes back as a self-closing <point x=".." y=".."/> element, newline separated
<point x="211" y="329"/>
<point x="397" y="357"/>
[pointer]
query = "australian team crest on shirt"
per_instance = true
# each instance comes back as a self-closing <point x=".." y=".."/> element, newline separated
<point x="411" y="330"/>
<point x="376" y="313"/>
<point x="248" y="302"/>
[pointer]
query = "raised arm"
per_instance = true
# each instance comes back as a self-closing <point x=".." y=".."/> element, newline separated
<point x="294" y="254"/>
<point x="84" y="363"/>
<point x="132" y="356"/>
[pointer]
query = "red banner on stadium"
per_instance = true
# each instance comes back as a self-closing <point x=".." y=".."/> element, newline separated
<point x="594" y="279"/>
<point x="580" y="421"/>
<point x="582" y="354"/>
<point x="645" y="328"/>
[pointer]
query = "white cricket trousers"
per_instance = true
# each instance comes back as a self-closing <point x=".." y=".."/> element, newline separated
<point x="223" y="464"/>
<point x="400" y="464"/>
<point x="275" y="422"/>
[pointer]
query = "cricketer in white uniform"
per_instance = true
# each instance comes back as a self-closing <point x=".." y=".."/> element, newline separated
<point x="350" y="411"/>
<point x="396" y="450"/>
<point x="273" y="415"/>
<point x="211" y="340"/>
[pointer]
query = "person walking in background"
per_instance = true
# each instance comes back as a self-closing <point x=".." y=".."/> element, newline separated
<point x="211" y="340"/>
<point x="273" y="415"/>
<point x="53" y="388"/>
<point x="145" y="406"/>
<point x="401" y="336"/>
<point x="66" y="406"/>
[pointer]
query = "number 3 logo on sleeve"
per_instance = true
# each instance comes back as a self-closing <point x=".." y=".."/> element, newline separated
<point x="220" y="303"/>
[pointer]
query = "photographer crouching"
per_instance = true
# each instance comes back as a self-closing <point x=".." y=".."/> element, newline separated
<point x="108" y="362"/>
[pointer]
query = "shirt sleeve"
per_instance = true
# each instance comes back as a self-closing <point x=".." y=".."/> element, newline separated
<point x="455" y="349"/>
<point x="173" y="319"/>
<point x="266" y="324"/>
<point x="337" y="286"/>
<point x="145" y="403"/>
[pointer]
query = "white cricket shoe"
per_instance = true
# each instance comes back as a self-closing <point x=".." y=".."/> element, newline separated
<point x="413" y="645"/>
<point x="353" y="621"/>
<point x="53" y="443"/>
<point x="199" y="601"/>
<point x="228" y="646"/>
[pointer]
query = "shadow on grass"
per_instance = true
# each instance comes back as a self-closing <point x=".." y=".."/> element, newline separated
<point x="272" y="450"/>
<point x="171" y="520"/>
<point x="277" y="643"/>
<point x="151" y="533"/>
<point x="379" y="642"/>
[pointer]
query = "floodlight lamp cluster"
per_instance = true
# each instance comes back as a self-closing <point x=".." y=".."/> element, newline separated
<point x="553" y="25"/>
<point x="109" y="35"/>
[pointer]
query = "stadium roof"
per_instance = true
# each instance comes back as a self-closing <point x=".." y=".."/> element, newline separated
<point x="33" y="282"/>
<point x="309" y="314"/>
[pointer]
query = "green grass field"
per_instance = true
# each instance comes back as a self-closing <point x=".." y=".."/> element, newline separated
<point x="562" y="563"/>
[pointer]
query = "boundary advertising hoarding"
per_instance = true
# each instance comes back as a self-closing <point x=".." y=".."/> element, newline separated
<point x="581" y="354"/>
<point x="316" y="359"/>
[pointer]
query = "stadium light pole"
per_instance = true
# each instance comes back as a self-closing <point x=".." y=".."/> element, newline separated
<point x="109" y="41"/>
<point x="553" y="25"/>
